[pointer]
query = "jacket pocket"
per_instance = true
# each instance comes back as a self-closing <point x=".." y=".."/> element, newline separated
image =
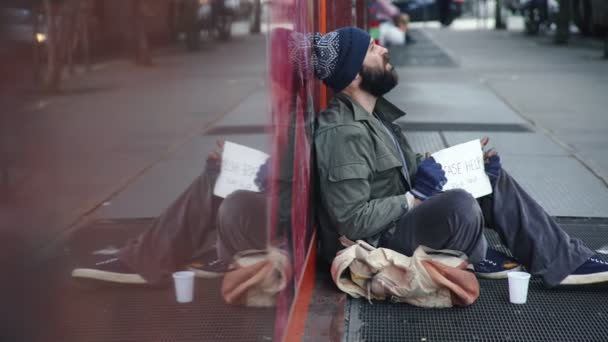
<point x="387" y="162"/>
<point x="349" y="171"/>
<point x="387" y="179"/>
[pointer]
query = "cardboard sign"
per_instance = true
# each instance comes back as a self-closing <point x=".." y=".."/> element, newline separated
<point x="464" y="168"/>
<point x="240" y="165"/>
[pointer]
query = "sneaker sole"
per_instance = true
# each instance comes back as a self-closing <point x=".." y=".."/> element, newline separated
<point x="205" y="274"/>
<point x="585" y="279"/>
<point x="248" y="258"/>
<point x="498" y="275"/>
<point x="111" y="277"/>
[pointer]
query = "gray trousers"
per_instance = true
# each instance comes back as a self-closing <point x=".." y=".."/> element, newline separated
<point x="455" y="220"/>
<point x="175" y="238"/>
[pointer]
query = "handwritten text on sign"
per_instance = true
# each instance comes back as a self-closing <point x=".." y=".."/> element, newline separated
<point x="464" y="168"/>
<point x="240" y="165"/>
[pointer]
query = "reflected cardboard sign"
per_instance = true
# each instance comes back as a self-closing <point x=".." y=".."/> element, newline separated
<point x="240" y="165"/>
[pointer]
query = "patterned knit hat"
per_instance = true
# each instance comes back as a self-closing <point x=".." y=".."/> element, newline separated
<point x="338" y="56"/>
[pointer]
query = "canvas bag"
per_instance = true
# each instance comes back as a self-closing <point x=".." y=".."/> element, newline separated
<point x="258" y="276"/>
<point x="429" y="278"/>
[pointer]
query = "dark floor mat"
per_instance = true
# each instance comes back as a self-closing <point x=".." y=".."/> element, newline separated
<point x="423" y="53"/>
<point x="66" y="310"/>
<point x="549" y="315"/>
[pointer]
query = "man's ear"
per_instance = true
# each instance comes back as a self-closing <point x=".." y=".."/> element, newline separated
<point x="357" y="79"/>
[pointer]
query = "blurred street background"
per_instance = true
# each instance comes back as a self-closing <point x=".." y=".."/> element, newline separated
<point x="119" y="124"/>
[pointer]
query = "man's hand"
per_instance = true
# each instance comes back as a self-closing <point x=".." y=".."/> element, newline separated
<point x="214" y="159"/>
<point x="429" y="179"/>
<point x="484" y="141"/>
<point x="261" y="177"/>
<point x="492" y="164"/>
<point x="487" y="154"/>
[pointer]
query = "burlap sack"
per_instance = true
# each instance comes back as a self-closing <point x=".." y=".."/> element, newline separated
<point x="429" y="278"/>
<point x="257" y="278"/>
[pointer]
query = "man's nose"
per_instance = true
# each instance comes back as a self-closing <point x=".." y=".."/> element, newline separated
<point x="383" y="51"/>
<point x="384" y="54"/>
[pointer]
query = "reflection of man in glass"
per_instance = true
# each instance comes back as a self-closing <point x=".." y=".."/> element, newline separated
<point x="373" y="187"/>
<point x="180" y="235"/>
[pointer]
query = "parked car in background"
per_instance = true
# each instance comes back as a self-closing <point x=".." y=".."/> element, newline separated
<point x="589" y="16"/>
<point x="190" y="17"/>
<point x="21" y="32"/>
<point x="19" y="25"/>
<point x="600" y="16"/>
<point x="428" y="10"/>
<point x="22" y="47"/>
<point x="539" y="15"/>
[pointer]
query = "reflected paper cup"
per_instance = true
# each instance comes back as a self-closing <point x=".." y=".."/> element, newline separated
<point x="184" y="286"/>
<point x="518" y="287"/>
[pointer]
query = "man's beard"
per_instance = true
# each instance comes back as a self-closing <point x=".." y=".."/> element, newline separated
<point x="378" y="82"/>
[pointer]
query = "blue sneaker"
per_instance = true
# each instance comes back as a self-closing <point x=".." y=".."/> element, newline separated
<point x="496" y="265"/>
<point x="109" y="269"/>
<point x="593" y="271"/>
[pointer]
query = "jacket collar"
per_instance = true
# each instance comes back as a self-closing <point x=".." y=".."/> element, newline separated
<point x="385" y="109"/>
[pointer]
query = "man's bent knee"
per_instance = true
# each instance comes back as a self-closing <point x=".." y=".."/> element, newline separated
<point x="461" y="205"/>
<point x="459" y="200"/>
<point x="240" y="201"/>
<point x="242" y="209"/>
<point x="466" y="223"/>
<point x="242" y="223"/>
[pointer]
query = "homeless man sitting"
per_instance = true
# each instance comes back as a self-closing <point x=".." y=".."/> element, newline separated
<point x="373" y="187"/>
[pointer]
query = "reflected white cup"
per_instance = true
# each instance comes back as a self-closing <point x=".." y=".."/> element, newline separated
<point x="518" y="287"/>
<point x="184" y="286"/>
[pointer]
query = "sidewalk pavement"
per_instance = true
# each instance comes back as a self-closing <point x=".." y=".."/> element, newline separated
<point x="484" y="92"/>
<point x="502" y="85"/>
<point x="449" y="88"/>
<point x="125" y="142"/>
<point x="67" y="155"/>
<point x="542" y="106"/>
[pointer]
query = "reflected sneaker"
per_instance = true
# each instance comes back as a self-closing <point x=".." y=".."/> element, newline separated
<point x="593" y="271"/>
<point x="209" y="266"/>
<point x="496" y="265"/>
<point x="109" y="269"/>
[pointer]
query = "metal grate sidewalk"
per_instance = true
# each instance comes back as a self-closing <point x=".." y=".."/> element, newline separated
<point x="550" y="314"/>
<point x="62" y="309"/>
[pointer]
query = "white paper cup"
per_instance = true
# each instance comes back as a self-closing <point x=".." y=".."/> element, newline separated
<point x="184" y="286"/>
<point x="518" y="287"/>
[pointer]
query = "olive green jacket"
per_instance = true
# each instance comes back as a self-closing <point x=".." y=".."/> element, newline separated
<point x="360" y="184"/>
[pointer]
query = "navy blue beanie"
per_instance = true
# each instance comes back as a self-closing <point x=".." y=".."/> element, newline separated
<point x="338" y="56"/>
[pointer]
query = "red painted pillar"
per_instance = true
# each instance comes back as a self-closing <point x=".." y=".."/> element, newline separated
<point x="339" y="13"/>
<point x="361" y="14"/>
<point x="321" y="26"/>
